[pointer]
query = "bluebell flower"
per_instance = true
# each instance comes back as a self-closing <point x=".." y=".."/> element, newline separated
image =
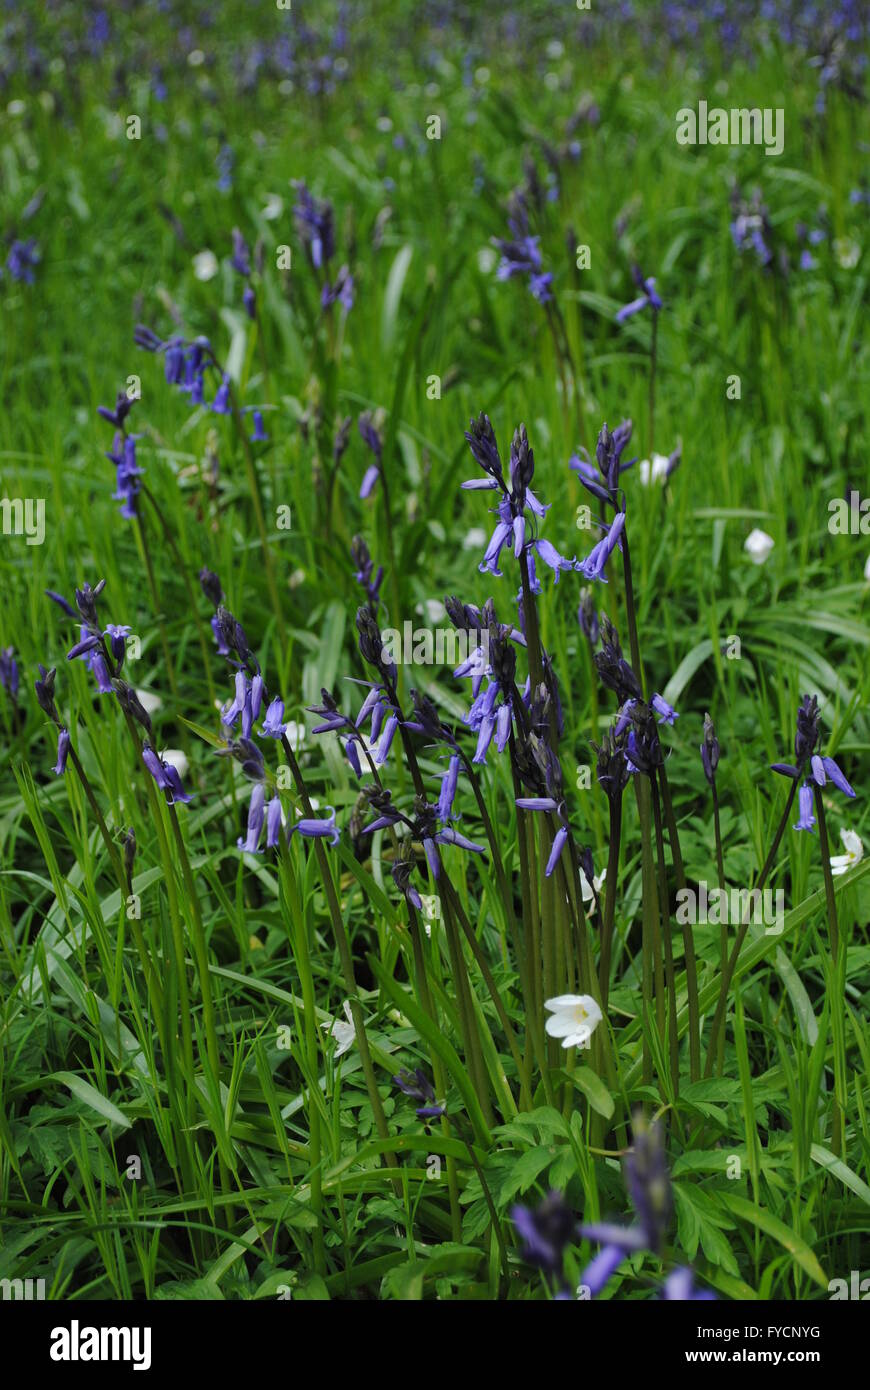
<point x="22" y="260"/>
<point x="241" y="257"/>
<point x="259" y="435"/>
<point x="372" y="437"/>
<point x="128" y="473"/>
<point x="44" y="688"/>
<point x="314" y="222"/>
<point x="418" y="1086"/>
<point x="225" y="162"/>
<point x="449" y="782"/>
<point x="709" y="751"/>
<point x="273" y="822"/>
<point x="9" y="671"/>
<point x="602" y="477"/>
<point x="62" y="751"/>
<point x="249" y="301"/>
<point x="806" y="820"/>
<point x="61" y="603"/>
<point x="117" y="635"/>
<point x="272" y="726"/>
<point x="520" y="253"/>
<point x="317" y="829"/>
<point x="680" y="1285"/>
<point x="593" y="566"/>
<point x="256" y="816"/>
<point x="359" y="554"/>
<point x="648" y="298"/>
<point x="117" y="414"/>
<point x="221" y="403"/>
<point x="340" y="292"/>
<point x="165" y="775"/>
<point x="545" y="1233"/>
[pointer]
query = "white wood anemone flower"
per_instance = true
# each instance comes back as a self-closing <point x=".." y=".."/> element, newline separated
<point x="343" y="1033"/>
<point x="575" y="1018"/>
<point x="586" y="888"/>
<point x="758" y="545"/>
<point x="854" y="847"/>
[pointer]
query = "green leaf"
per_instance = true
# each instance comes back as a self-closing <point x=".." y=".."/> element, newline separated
<point x="91" y="1096"/>
<point x="772" y="1226"/>
<point x="393" y="297"/>
<point x="842" y="1171"/>
<point x="594" y="1089"/>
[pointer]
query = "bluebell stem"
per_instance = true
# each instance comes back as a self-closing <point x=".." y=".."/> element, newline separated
<point x="131" y="704"/>
<point x="62" y="750"/>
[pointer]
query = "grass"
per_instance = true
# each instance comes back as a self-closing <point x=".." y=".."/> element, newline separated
<point x="175" y="1119"/>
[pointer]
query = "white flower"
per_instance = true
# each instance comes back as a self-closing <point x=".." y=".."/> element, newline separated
<point x="177" y="759"/>
<point x="586" y="887"/>
<point x="149" y="702"/>
<point x="841" y="863"/>
<point x="575" y="1018"/>
<point x="654" y="472"/>
<point x="274" y="207"/>
<point x="343" y="1033"/>
<point x="848" y="252"/>
<point x="205" y="265"/>
<point x="758" y="545"/>
<point x="477" y="537"/>
<point x="867" y="570"/>
<point x="433" y="608"/>
<point x="295" y="734"/>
